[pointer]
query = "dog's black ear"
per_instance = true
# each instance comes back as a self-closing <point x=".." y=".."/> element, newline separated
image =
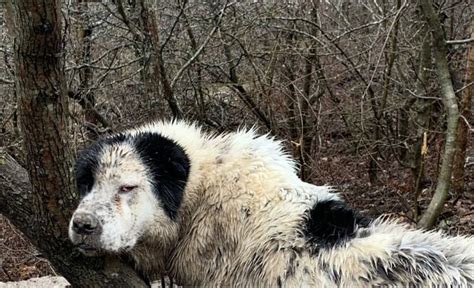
<point x="87" y="162"/>
<point x="86" y="165"/>
<point x="169" y="165"/>
<point x="332" y="223"/>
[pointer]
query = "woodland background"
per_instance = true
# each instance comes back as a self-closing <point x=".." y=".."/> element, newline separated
<point x="372" y="97"/>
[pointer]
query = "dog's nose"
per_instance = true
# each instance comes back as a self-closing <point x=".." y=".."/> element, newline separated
<point x="85" y="223"/>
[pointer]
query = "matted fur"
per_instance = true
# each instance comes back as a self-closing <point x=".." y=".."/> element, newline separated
<point x="241" y="222"/>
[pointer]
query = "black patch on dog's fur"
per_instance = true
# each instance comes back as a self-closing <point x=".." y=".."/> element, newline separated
<point x="279" y="284"/>
<point x="88" y="161"/>
<point x="169" y="166"/>
<point x="331" y="223"/>
<point x="406" y="264"/>
<point x="86" y="165"/>
<point x="257" y="263"/>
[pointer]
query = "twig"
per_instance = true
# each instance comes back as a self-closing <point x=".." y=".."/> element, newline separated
<point x="201" y="48"/>
<point x="460" y="41"/>
<point x="6" y="81"/>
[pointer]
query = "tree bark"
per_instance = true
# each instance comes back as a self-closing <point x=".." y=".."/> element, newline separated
<point x="199" y="92"/>
<point x="421" y="117"/>
<point x="452" y="114"/>
<point x="155" y="77"/>
<point x="308" y="118"/>
<point x="158" y="71"/>
<point x="242" y="93"/>
<point x="86" y="95"/>
<point x="42" y="206"/>
<point x="461" y="134"/>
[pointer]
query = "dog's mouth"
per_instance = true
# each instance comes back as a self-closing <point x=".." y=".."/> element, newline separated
<point x="87" y="249"/>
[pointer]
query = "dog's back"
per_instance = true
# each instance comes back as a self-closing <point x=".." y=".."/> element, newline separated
<point x="262" y="226"/>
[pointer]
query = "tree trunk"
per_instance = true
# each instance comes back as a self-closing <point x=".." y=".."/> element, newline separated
<point x="421" y="118"/>
<point x="87" y="98"/>
<point x="308" y="119"/>
<point x="452" y="114"/>
<point x="201" y="105"/>
<point x="158" y="71"/>
<point x="242" y="93"/>
<point x="41" y="208"/>
<point x="154" y="74"/>
<point x="461" y="134"/>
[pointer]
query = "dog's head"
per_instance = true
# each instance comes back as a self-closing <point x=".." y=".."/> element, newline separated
<point x="130" y="184"/>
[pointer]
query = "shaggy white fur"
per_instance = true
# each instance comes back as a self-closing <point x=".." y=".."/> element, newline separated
<point x="243" y="221"/>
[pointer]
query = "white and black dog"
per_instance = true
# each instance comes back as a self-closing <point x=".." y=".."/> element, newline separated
<point x="229" y="210"/>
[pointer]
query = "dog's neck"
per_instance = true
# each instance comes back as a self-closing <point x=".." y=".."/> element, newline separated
<point x="151" y="256"/>
<point x="156" y="256"/>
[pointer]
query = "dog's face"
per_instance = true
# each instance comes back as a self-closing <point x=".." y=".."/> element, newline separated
<point x="130" y="184"/>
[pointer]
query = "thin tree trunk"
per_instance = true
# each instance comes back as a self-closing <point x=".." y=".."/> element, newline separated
<point x="87" y="98"/>
<point x="461" y="134"/>
<point x="292" y="110"/>
<point x="378" y="107"/>
<point x="452" y="114"/>
<point x="199" y="89"/>
<point x="150" y="27"/>
<point x="303" y="117"/>
<point x="154" y="75"/>
<point x="421" y="109"/>
<point x="307" y="121"/>
<point x="391" y="55"/>
<point x="42" y="209"/>
<point x="292" y="101"/>
<point x="242" y="92"/>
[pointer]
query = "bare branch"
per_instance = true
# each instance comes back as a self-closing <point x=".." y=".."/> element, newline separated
<point x="201" y="48"/>
<point x="6" y="81"/>
<point x="461" y="41"/>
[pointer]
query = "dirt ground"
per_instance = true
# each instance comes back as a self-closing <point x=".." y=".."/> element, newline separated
<point x="19" y="260"/>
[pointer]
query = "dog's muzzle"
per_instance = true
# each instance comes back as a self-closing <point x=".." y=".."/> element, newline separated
<point x="86" y="231"/>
